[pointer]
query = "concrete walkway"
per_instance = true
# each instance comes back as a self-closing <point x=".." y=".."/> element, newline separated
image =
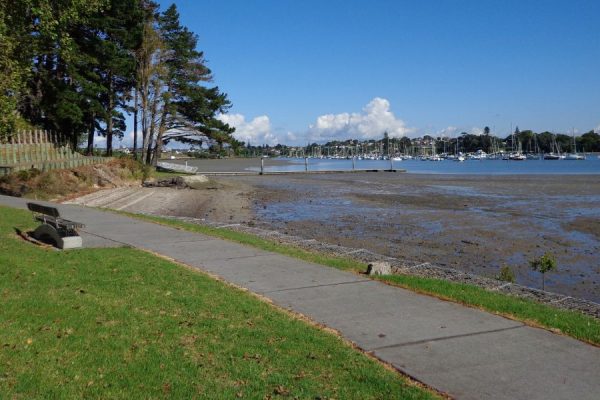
<point x="467" y="353"/>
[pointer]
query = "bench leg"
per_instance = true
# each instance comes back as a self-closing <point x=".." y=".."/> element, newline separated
<point x="48" y="234"/>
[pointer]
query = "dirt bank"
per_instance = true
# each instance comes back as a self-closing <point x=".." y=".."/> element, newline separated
<point x="66" y="183"/>
<point x="216" y="201"/>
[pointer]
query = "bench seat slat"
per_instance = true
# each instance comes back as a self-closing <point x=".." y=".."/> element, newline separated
<point x="39" y="208"/>
<point x="60" y="222"/>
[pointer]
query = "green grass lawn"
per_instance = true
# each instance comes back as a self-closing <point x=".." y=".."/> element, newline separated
<point x="121" y="323"/>
<point x="570" y="323"/>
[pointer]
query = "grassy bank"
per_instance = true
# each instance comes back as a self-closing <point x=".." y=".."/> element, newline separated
<point x="121" y="323"/>
<point x="570" y="323"/>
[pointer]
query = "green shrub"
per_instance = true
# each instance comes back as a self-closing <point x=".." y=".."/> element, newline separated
<point x="543" y="264"/>
<point x="27" y="174"/>
<point x="506" y="274"/>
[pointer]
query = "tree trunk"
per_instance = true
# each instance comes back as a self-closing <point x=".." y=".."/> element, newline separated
<point x="153" y="113"/>
<point x="144" y="106"/>
<point x="151" y="133"/>
<point x="135" y="121"/>
<point x="159" y="138"/>
<point x="74" y="141"/>
<point x="91" y="133"/>
<point x="109" y="121"/>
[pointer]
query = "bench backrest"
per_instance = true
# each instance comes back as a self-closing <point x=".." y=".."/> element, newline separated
<point x="38" y="208"/>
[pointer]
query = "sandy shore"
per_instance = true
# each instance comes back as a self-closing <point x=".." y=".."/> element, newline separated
<point x="473" y="223"/>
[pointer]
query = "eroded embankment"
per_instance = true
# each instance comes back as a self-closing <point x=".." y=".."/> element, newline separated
<point x="73" y="182"/>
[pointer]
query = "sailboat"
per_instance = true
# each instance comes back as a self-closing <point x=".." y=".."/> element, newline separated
<point x="517" y="155"/>
<point x="574" y="155"/>
<point x="537" y="153"/>
<point x="552" y="155"/>
<point x="458" y="156"/>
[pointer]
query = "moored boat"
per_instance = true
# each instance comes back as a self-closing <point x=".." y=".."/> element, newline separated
<point x="517" y="157"/>
<point x="574" y="156"/>
<point x="551" y="156"/>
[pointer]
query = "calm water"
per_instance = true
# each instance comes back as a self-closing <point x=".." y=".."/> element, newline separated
<point x="485" y="167"/>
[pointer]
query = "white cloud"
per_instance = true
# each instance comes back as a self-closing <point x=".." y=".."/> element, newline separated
<point x="476" y="131"/>
<point x="597" y="130"/>
<point x="256" y="132"/>
<point x="375" y="119"/>
<point x="449" y="131"/>
<point x="291" y="137"/>
<point x="453" y="131"/>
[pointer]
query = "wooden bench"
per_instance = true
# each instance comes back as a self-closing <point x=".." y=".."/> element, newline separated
<point x="54" y="229"/>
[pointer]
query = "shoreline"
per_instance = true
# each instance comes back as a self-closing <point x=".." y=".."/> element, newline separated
<point x="249" y="165"/>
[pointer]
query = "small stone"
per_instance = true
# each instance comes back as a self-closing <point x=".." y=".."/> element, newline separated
<point x="379" y="268"/>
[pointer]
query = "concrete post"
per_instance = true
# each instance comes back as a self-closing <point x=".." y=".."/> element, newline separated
<point x="305" y="164"/>
<point x="262" y="165"/>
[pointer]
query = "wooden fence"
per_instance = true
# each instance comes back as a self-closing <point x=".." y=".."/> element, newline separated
<point x="42" y="150"/>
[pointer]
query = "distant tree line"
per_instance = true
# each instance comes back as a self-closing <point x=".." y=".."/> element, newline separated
<point x="526" y="141"/>
<point x="78" y="66"/>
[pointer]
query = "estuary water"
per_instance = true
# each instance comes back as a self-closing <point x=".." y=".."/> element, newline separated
<point x="590" y="166"/>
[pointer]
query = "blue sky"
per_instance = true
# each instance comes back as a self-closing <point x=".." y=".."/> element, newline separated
<point x="299" y="71"/>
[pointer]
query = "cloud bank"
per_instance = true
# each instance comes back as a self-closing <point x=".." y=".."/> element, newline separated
<point x="449" y="131"/>
<point x="453" y="131"/>
<point x="375" y="119"/>
<point x="256" y="132"/>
